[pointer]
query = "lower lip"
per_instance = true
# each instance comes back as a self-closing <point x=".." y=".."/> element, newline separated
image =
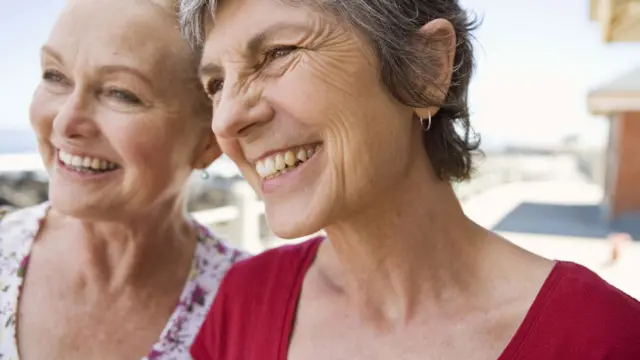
<point x="66" y="171"/>
<point x="271" y="185"/>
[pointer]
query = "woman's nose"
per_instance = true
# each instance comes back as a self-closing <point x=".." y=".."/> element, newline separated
<point x="74" y="119"/>
<point x="239" y="110"/>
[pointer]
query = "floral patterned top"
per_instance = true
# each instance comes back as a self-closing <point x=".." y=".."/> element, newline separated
<point x="211" y="261"/>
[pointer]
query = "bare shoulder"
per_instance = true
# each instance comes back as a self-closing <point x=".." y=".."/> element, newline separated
<point x="514" y="278"/>
<point x="516" y="267"/>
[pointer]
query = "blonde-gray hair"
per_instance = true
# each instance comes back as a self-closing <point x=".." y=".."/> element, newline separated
<point x="191" y="14"/>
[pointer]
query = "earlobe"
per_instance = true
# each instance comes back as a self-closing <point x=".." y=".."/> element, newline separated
<point x="209" y="153"/>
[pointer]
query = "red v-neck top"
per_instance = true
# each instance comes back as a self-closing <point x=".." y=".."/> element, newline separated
<point x="576" y="314"/>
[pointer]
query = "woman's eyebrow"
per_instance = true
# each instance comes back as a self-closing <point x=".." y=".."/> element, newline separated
<point x="269" y="32"/>
<point x="111" y="69"/>
<point x="54" y="54"/>
<point x="254" y="43"/>
<point x="103" y="70"/>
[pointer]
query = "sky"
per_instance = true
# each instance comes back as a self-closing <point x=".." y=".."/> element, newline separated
<point x="536" y="62"/>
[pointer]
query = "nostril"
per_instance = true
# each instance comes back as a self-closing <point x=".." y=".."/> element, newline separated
<point x="235" y="117"/>
<point x="75" y="126"/>
<point x="230" y="131"/>
<point x="245" y="130"/>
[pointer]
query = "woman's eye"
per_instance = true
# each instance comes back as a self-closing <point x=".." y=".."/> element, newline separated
<point x="213" y="87"/>
<point x="124" y="96"/>
<point x="53" y="76"/>
<point x="280" y="51"/>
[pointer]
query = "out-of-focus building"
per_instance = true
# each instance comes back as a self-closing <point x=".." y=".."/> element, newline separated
<point x="619" y="19"/>
<point x="619" y="100"/>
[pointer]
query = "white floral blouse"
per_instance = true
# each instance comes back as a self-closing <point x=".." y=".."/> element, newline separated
<point x="211" y="261"/>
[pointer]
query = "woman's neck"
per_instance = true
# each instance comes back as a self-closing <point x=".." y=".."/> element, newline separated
<point x="124" y="254"/>
<point x="408" y="249"/>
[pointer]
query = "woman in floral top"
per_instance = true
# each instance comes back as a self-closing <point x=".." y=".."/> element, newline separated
<point x="112" y="267"/>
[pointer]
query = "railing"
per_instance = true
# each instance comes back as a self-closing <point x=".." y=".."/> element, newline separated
<point x="242" y="222"/>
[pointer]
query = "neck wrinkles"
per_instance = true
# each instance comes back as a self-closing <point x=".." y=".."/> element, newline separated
<point x="408" y="249"/>
<point x="122" y="254"/>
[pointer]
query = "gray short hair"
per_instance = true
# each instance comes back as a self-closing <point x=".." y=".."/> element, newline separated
<point x="392" y="28"/>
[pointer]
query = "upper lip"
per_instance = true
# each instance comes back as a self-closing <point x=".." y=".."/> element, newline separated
<point x="276" y="151"/>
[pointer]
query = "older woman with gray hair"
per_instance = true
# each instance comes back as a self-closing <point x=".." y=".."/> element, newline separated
<point x="112" y="267"/>
<point x="351" y="117"/>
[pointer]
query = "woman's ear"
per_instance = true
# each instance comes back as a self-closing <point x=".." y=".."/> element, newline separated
<point x="438" y="40"/>
<point x="209" y="152"/>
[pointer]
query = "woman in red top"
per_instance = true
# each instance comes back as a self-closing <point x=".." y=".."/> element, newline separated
<point x="351" y="116"/>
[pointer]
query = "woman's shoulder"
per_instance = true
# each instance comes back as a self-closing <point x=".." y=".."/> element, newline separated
<point x="579" y="308"/>
<point x="17" y="231"/>
<point x="19" y="226"/>
<point x="584" y="288"/>
<point x="213" y="258"/>
<point x="281" y="262"/>
<point x="11" y="216"/>
<point x="255" y="300"/>
<point x="4" y="210"/>
<point x="272" y="274"/>
<point x="210" y="245"/>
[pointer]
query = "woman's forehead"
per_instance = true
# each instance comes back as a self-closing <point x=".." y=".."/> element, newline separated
<point x="238" y="24"/>
<point x="136" y="33"/>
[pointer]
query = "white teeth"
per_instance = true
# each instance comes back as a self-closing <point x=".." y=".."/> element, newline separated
<point x="269" y="166"/>
<point x="289" y="158"/>
<point x="301" y="155"/>
<point x="260" y="169"/>
<point x="76" y="161"/>
<point x="85" y="162"/>
<point x="281" y="163"/>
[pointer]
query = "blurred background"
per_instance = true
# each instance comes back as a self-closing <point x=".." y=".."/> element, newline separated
<point x="556" y="98"/>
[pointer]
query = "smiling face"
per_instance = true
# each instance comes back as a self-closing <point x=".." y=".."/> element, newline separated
<point x="299" y="106"/>
<point x="120" y="118"/>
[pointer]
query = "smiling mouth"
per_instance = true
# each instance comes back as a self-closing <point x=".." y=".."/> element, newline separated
<point x="86" y="164"/>
<point x="286" y="161"/>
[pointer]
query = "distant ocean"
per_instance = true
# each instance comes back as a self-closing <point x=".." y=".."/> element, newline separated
<point x="23" y="141"/>
<point x="15" y="141"/>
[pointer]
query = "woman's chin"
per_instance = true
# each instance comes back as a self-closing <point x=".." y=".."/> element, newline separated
<point x="77" y="206"/>
<point x="292" y="225"/>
